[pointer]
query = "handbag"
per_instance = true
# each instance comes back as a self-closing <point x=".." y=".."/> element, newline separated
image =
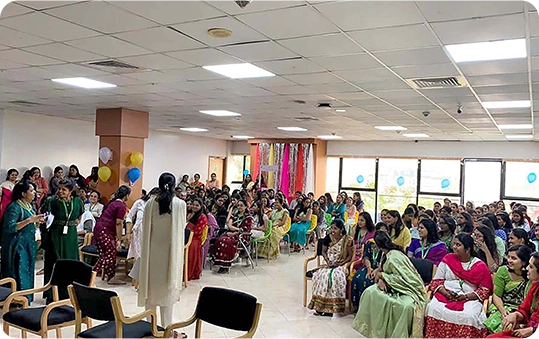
<point x="494" y="321"/>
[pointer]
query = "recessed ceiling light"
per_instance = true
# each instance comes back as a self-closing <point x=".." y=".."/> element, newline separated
<point x="219" y="33"/>
<point x="84" y="83"/>
<point x="244" y="137"/>
<point x="520" y="126"/>
<point x="239" y="71"/>
<point x="221" y="113"/>
<point x="493" y="50"/>
<point x="329" y="137"/>
<point x="507" y="104"/>
<point x="390" y="128"/>
<point x="193" y="129"/>
<point x="292" y="129"/>
<point x="340" y="110"/>
<point x="416" y="135"/>
<point x="519" y="136"/>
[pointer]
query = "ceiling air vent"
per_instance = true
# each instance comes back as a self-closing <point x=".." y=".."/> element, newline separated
<point x="113" y="63"/>
<point x="442" y="82"/>
<point x="305" y="119"/>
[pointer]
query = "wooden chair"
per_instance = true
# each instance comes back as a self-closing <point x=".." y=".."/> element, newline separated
<point x="256" y="241"/>
<point x="287" y="227"/>
<point x="6" y="291"/>
<point x="188" y="239"/>
<point x="310" y="231"/>
<point x="59" y="313"/>
<point x="105" y="305"/>
<point x="87" y="249"/>
<point x="244" y="318"/>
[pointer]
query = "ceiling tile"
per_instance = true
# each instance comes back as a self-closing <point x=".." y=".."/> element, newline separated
<point x="323" y="45"/>
<point x="155" y="62"/>
<point x="48" y="27"/>
<point x="41" y="5"/>
<point x="101" y="16"/>
<point x="356" y="15"/>
<point x="433" y="55"/>
<point x="27" y="58"/>
<point x="13" y="38"/>
<point x="9" y="64"/>
<point x="204" y="57"/>
<point x="347" y="62"/>
<point x="449" y="10"/>
<point x="367" y="75"/>
<point x="494" y="67"/>
<point x="392" y="38"/>
<point x="118" y="80"/>
<point x="313" y="78"/>
<point x="241" y="33"/>
<point x="293" y="22"/>
<point x="108" y="46"/>
<point x="194" y="73"/>
<point x="293" y="66"/>
<point x="13" y="9"/>
<point x="63" y="52"/>
<point x="485" y="29"/>
<point x="153" y="76"/>
<point x="170" y="12"/>
<point x="534" y="24"/>
<point x="262" y="51"/>
<point x="76" y="70"/>
<point x="421" y="71"/>
<point x="269" y="82"/>
<point x="498" y="79"/>
<point x="255" y="6"/>
<point x="160" y="39"/>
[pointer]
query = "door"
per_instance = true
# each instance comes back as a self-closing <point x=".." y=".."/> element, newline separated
<point x="217" y="166"/>
<point x="482" y="180"/>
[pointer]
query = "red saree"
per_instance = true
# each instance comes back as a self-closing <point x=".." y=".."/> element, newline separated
<point x="195" y="249"/>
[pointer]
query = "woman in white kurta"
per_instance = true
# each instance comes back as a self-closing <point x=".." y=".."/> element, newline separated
<point x="161" y="255"/>
<point x="134" y="224"/>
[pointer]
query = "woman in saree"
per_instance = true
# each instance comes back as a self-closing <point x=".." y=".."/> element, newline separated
<point x="42" y="185"/>
<point x="461" y="284"/>
<point x="510" y="285"/>
<point x="226" y="246"/>
<point x="279" y="219"/>
<point x="197" y="222"/>
<point x="18" y="237"/>
<point x="428" y="246"/>
<point x="399" y="294"/>
<point x="399" y="233"/>
<point x="363" y="277"/>
<point x="6" y="190"/>
<point x="329" y="281"/>
<point x="523" y="322"/>
<point x="364" y="232"/>
<point x="301" y="224"/>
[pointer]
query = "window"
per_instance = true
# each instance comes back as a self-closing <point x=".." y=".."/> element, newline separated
<point x="428" y="201"/>
<point x="482" y="181"/>
<point x="358" y="173"/>
<point x="332" y="176"/>
<point x="397" y="183"/>
<point x="238" y="165"/>
<point x="440" y="176"/>
<point x="369" y="199"/>
<point x="521" y="180"/>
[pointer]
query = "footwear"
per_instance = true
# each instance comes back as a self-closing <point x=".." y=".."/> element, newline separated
<point x="176" y="334"/>
<point x="222" y="270"/>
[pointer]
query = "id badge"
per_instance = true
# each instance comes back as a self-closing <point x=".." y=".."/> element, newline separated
<point x="65" y="229"/>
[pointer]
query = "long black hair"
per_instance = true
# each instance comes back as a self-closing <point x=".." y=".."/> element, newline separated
<point x="398" y="224"/>
<point x="20" y="188"/>
<point x="522" y="220"/>
<point x="12" y="170"/>
<point x="432" y="231"/>
<point x="340" y="225"/>
<point x="467" y="242"/>
<point x="167" y="182"/>
<point x="196" y="215"/>
<point x="521" y="233"/>
<point x="383" y="241"/>
<point x="153" y="191"/>
<point x="468" y="227"/>
<point x="523" y="253"/>
<point x="450" y="222"/>
<point x="93" y="174"/>
<point x="508" y="224"/>
<point x="369" y="224"/>
<point x="493" y="219"/>
<point x="489" y="239"/>
<point x="122" y="192"/>
<point x="76" y="169"/>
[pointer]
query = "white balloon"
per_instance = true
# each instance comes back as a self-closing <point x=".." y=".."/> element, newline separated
<point x="105" y="154"/>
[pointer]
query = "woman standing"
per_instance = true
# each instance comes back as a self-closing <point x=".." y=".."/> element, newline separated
<point x="60" y="240"/>
<point x="226" y="246"/>
<point x="53" y="183"/>
<point x="461" y="284"/>
<point x="399" y="233"/>
<point x="93" y="178"/>
<point x="108" y="235"/>
<point x="42" y="186"/>
<point x="197" y="221"/>
<point x="196" y="182"/>
<point x="6" y="189"/>
<point x="428" y="246"/>
<point x="279" y="219"/>
<point x="18" y="237"/>
<point x="161" y="260"/>
<point x="329" y="281"/>
<point x="302" y="223"/>
<point x="399" y="294"/>
<point x="77" y="178"/>
<point x="134" y="224"/>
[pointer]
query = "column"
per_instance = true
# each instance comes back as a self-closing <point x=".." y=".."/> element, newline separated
<point x="123" y="131"/>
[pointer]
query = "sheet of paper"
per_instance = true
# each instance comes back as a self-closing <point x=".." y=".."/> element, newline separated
<point x="50" y="219"/>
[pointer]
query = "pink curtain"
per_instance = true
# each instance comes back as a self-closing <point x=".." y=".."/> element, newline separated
<point x="285" y="171"/>
<point x="299" y="170"/>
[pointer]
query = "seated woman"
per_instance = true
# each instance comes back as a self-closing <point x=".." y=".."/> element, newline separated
<point x="504" y="222"/>
<point x="510" y="285"/>
<point x="500" y="243"/>
<point x="399" y="294"/>
<point x="461" y="284"/>
<point x="301" y="224"/>
<point x="446" y="231"/>
<point x="197" y="221"/>
<point x="364" y="232"/>
<point x="398" y="232"/>
<point x="350" y="209"/>
<point x="524" y="321"/>
<point x="260" y="220"/>
<point x="519" y="221"/>
<point x="329" y="281"/>
<point x="321" y="225"/>
<point x="226" y="246"/>
<point x="518" y="236"/>
<point x="428" y="246"/>
<point x="279" y="219"/>
<point x="364" y="276"/>
<point x="486" y="247"/>
<point x="337" y="210"/>
<point x="465" y="222"/>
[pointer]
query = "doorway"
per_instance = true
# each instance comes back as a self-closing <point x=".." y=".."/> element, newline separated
<point x="217" y="165"/>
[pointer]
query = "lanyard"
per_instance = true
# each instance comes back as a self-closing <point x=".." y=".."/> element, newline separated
<point x="65" y="208"/>
<point x="26" y="207"/>
<point x="91" y="207"/>
<point x="423" y="252"/>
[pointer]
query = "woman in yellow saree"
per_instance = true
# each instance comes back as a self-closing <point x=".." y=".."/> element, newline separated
<point x="279" y="218"/>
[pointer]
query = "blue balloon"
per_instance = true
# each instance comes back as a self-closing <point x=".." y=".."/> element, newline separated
<point x="400" y="181"/>
<point x="445" y="183"/>
<point x="360" y="179"/>
<point x="133" y="174"/>
<point x="532" y="177"/>
<point x="245" y="172"/>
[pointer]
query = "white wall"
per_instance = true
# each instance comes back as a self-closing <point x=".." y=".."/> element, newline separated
<point x="436" y="149"/>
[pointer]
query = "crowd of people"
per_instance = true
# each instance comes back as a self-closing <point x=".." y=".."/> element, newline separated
<point x="485" y="255"/>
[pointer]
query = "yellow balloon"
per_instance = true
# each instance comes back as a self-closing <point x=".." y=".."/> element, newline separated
<point x="136" y="158"/>
<point x="104" y="173"/>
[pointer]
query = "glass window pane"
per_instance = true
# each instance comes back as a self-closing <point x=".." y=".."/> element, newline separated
<point x="397" y="183"/>
<point x="532" y="208"/>
<point x="332" y="176"/>
<point x="236" y="171"/>
<point x="482" y="181"/>
<point x="521" y="179"/>
<point x="247" y="163"/>
<point x="440" y="176"/>
<point x="358" y="173"/>
<point x="428" y="201"/>
<point x="368" y="200"/>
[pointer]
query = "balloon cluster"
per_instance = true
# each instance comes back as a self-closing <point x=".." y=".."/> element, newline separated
<point x="134" y="174"/>
<point x="105" y="155"/>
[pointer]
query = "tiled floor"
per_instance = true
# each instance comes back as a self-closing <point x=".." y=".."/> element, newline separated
<point x="278" y="285"/>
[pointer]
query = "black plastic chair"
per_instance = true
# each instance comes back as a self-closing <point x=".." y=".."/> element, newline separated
<point x="244" y="318"/>
<point x="425" y="268"/>
<point x="105" y="305"/>
<point x="59" y="313"/>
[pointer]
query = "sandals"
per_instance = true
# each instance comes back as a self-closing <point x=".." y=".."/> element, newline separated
<point x="322" y="314"/>
<point x="176" y="334"/>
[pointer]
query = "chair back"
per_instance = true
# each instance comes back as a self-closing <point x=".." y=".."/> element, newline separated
<point x="66" y="272"/>
<point x="187" y="235"/>
<point x="268" y="231"/>
<point x="329" y="219"/>
<point x="425" y="269"/>
<point x="314" y="222"/>
<point x="345" y="217"/>
<point x="94" y="302"/>
<point x="288" y="225"/>
<point x="241" y="319"/>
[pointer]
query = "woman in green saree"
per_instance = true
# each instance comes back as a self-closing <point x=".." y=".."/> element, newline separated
<point x="399" y="295"/>
<point x="510" y="287"/>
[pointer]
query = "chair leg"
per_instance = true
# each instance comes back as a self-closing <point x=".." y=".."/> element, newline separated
<point x="58" y="332"/>
<point x="24" y="334"/>
<point x="44" y="334"/>
<point x="304" y="291"/>
<point x="6" y="328"/>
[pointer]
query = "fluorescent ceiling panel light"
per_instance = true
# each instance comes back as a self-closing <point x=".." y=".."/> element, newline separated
<point x="494" y="50"/>
<point x="416" y="135"/>
<point x="244" y="137"/>
<point x="193" y="129"/>
<point x="507" y="104"/>
<point x="390" y="128"/>
<point x="520" y="126"/>
<point x="239" y="71"/>
<point x="84" y="83"/>
<point x="221" y="113"/>
<point x="519" y="136"/>
<point x="292" y="129"/>
<point x="329" y="137"/>
<point x="340" y="110"/>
